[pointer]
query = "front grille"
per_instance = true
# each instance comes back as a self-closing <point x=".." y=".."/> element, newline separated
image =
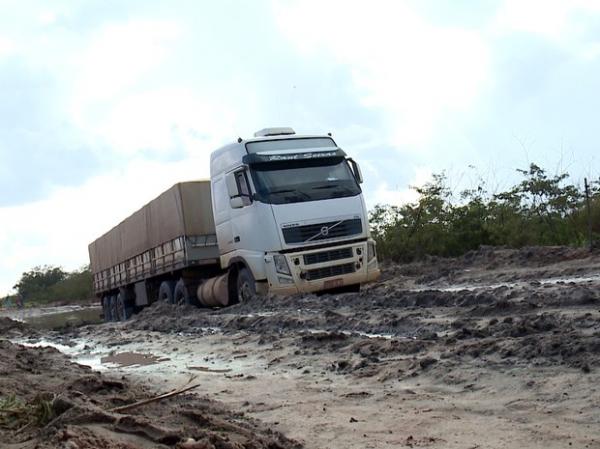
<point x="327" y="256"/>
<point x="314" y="232"/>
<point x="326" y="272"/>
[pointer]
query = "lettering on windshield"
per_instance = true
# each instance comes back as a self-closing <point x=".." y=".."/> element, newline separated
<point x="293" y="157"/>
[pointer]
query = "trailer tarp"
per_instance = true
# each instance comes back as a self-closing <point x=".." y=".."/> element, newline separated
<point x="183" y="210"/>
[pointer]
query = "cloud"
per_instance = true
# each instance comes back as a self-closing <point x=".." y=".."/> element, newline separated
<point x="401" y="193"/>
<point x="39" y="147"/>
<point x="548" y="18"/>
<point x="416" y="72"/>
<point x="105" y="104"/>
<point x="7" y="46"/>
<point x="555" y="20"/>
<point x="118" y="56"/>
<point x="57" y="230"/>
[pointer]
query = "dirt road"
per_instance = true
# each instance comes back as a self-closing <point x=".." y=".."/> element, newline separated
<point x="499" y="348"/>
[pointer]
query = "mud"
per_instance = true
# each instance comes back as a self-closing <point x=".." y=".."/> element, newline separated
<point x="57" y="403"/>
<point x="499" y="348"/>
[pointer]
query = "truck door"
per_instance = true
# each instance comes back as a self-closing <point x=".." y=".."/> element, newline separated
<point x="222" y="214"/>
<point x="241" y="227"/>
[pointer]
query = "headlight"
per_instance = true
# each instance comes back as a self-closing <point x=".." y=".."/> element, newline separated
<point x="281" y="264"/>
<point x="371" y="251"/>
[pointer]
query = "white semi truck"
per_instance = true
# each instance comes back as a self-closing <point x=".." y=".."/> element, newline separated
<point x="281" y="214"/>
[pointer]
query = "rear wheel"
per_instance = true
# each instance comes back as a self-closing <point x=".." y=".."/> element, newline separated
<point x="165" y="292"/>
<point x="106" y="309"/>
<point x="113" y="308"/>
<point x="246" y="286"/>
<point x="183" y="296"/>
<point x="123" y="309"/>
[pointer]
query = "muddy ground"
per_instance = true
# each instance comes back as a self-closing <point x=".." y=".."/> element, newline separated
<point x="499" y="348"/>
<point x="46" y="401"/>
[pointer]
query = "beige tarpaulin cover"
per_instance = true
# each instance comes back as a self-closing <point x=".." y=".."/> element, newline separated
<point x="184" y="209"/>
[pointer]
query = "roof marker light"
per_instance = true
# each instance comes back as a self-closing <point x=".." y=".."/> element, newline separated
<point x="281" y="131"/>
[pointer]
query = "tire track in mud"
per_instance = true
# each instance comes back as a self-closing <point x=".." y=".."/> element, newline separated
<point x="491" y="355"/>
<point x="541" y="324"/>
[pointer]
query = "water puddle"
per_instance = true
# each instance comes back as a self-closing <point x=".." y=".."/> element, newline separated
<point x="256" y="314"/>
<point x="205" y="369"/>
<point x="82" y="352"/>
<point x="359" y="334"/>
<point x="569" y="280"/>
<point x="124" y="359"/>
<point x="49" y="318"/>
<point x="146" y="358"/>
<point x="548" y="281"/>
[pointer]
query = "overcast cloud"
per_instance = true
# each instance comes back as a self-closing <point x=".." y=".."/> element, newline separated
<point x="104" y="104"/>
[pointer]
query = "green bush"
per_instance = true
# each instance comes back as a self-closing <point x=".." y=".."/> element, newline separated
<point x="51" y="284"/>
<point x="539" y="210"/>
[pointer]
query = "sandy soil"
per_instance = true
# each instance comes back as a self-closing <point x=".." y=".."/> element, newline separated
<point x="46" y="401"/>
<point x="499" y="348"/>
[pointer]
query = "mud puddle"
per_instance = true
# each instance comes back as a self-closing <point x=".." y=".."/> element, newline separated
<point x="125" y="359"/>
<point x="49" y="318"/>
<point x="148" y="354"/>
<point x="83" y="352"/>
<point x="510" y="361"/>
<point x="567" y="280"/>
<point x="57" y="404"/>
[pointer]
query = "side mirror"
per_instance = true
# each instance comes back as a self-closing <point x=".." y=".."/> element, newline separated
<point x="232" y="188"/>
<point x="356" y="170"/>
<point x="236" y="202"/>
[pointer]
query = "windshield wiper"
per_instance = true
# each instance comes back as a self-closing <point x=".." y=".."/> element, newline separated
<point x="342" y="188"/>
<point x="327" y="186"/>
<point x="274" y="192"/>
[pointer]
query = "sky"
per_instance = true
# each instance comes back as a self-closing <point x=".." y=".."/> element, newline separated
<point x="105" y="103"/>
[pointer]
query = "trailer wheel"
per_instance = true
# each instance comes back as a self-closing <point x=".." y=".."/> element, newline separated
<point x="182" y="296"/>
<point x="165" y="292"/>
<point x="123" y="310"/>
<point x="113" y="307"/>
<point x="246" y="286"/>
<point x="106" y="309"/>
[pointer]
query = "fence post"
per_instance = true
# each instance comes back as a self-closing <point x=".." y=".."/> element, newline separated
<point x="589" y="213"/>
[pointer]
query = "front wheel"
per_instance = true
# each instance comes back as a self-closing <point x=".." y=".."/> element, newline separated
<point x="246" y="286"/>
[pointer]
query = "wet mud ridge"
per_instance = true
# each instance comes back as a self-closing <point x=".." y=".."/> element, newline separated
<point x="498" y="348"/>
<point x="528" y="322"/>
<point x="46" y="401"/>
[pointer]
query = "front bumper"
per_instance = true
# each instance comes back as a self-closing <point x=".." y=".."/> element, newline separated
<point x="323" y="269"/>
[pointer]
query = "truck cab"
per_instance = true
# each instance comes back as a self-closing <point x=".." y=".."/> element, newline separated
<point x="290" y="215"/>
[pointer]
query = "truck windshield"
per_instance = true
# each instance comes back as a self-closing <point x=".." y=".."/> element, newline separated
<point x="303" y="180"/>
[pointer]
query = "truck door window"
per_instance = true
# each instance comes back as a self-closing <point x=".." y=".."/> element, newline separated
<point x="243" y="187"/>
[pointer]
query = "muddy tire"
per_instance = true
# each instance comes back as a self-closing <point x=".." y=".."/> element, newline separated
<point x="123" y="309"/>
<point x="113" y="307"/>
<point x="245" y="286"/>
<point x="182" y="296"/>
<point x="106" y="309"/>
<point x="165" y="292"/>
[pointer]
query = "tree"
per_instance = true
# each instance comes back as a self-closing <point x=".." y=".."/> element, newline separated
<point x="35" y="284"/>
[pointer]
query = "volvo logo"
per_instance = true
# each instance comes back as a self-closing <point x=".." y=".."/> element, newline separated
<point x="324" y="231"/>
